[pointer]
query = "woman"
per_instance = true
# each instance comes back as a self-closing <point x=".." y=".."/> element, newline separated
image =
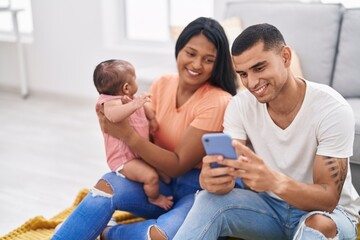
<point x="187" y="105"/>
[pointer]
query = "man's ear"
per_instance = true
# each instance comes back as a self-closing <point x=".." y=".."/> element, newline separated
<point x="286" y="55"/>
<point x="125" y="88"/>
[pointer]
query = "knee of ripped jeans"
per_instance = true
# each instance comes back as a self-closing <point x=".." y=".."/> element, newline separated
<point x="155" y="233"/>
<point x="102" y="188"/>
<point x="306" y="227"/>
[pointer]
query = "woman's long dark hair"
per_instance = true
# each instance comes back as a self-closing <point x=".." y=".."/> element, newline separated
<point x="223" y="74"/>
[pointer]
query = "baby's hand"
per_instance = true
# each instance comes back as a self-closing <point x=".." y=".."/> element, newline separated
<point x="139" y="101"/>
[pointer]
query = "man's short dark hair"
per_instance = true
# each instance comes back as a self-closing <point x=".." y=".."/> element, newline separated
<point x="266" y="33"/>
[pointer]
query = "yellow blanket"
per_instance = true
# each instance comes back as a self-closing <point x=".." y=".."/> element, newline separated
<point x="39" y="228"/>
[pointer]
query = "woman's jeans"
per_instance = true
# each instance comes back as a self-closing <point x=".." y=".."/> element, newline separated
<point x="249" y="215"/>
<point x="90" y="218"/>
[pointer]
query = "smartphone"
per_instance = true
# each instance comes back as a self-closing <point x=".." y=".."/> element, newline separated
<point x="218" y="144"/>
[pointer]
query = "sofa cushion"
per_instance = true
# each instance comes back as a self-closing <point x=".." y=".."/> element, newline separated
<point x="355" y="104"/>
<point x="347" y="70"/>
<point x="310" y="28"/>
<point x="296" y="64"/>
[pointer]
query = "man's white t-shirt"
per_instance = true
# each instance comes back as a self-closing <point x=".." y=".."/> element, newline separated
<point x="323" y="126"/>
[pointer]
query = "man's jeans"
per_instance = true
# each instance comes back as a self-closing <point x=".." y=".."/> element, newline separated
<point x="250" y="215"/>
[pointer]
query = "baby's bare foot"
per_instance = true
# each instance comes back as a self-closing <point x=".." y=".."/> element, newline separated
<point x="162" y="201"/>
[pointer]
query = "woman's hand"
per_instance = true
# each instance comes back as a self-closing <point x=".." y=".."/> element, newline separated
<point x="216" y="180"/>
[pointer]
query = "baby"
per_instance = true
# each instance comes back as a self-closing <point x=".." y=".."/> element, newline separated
<point x="115" y="81"/>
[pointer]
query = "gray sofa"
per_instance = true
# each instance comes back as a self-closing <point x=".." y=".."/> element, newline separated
<point x="326" y="38"/>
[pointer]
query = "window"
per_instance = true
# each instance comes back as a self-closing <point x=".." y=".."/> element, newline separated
<point x="24" y="18"/>
<point x="143" y="24"/>
<point x="147" y="22"/>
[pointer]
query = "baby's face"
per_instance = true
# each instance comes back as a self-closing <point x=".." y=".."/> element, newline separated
<point x="133" y="86"/>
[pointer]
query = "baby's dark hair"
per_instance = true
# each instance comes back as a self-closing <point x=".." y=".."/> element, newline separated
<point x="110" y="75"/>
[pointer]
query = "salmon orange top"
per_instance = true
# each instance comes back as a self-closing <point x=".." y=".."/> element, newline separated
<point x="203" y="110"/>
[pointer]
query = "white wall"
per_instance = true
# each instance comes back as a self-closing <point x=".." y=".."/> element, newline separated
<point x="68" y="43"/>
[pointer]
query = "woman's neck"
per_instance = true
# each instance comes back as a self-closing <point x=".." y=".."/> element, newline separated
<point x="183" y="93"/>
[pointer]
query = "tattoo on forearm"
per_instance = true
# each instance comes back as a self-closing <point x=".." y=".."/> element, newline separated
<point x="338" y="171"/>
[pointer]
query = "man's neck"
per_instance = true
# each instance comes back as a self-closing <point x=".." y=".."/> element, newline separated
<point x="284" y="110"/>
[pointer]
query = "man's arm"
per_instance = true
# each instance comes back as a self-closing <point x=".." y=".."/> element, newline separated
<point x="328" y="175"/>
<point x="323" y="194"/>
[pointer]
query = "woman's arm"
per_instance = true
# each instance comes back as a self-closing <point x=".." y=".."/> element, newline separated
<point x="186" y="155"/>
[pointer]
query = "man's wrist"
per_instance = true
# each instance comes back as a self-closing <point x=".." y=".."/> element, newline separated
<point x="280" y="184"/>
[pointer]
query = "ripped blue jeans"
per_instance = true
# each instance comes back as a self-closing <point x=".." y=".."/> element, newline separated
<point x="256" y="216"/>
<point x="90" y="218"/>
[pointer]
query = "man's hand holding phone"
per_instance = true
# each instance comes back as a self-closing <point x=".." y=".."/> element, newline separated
<point x="215" y="180"/>
<point x="218" y="147"/>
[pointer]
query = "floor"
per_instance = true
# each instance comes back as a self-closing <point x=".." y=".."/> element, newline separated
<point x="50" y="148"/>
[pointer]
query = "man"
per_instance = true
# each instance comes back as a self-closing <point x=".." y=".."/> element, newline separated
<point x="297" y="175"/>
